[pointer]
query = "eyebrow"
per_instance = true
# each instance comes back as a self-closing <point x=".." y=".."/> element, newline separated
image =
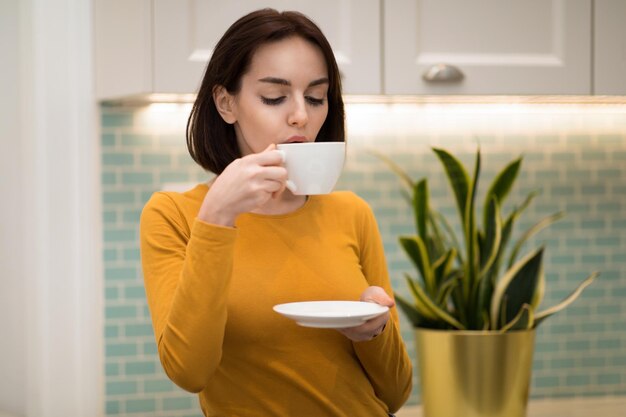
<point x="282" y="81"/>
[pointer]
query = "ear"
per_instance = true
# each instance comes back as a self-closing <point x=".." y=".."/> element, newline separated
<point x="225" y="104"/>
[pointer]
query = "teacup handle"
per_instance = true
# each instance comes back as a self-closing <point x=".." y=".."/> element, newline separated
<point x="289" y="184"/>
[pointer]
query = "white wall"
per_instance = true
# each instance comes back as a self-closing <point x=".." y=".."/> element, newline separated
<point x="51" y="360"/>
<point x="12" y="352"/>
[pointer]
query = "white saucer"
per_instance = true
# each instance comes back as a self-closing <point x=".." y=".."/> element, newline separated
<point x="330" y="314"/>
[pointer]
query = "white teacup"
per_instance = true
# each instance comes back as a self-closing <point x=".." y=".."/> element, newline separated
<point x="313" y="167"/>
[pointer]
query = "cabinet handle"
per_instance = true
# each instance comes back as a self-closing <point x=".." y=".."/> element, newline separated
<point x="442" y="73"/>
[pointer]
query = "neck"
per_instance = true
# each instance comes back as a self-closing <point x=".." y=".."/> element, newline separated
<point x="282" y="204"/>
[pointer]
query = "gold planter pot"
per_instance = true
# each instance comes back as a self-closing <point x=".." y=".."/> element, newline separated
<point x="474" y="373"/>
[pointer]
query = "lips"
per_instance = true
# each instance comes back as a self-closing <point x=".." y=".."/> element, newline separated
<point x="296" y="139"/>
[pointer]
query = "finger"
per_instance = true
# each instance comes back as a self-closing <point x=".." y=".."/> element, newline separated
<point x="270" y="156"/>
<point x="277" y="194"/>
<point x="377" y="295"/>
<point x="363" y="332"/>
<point x="370" y="326"/>
<point x="275" y="173"/>
<point x="275" y="186"/>
<point x="376" y="322"/>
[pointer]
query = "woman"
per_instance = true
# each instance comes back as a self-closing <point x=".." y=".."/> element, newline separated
<point x="217" y="258"/>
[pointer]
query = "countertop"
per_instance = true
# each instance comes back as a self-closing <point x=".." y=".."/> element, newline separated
<point x="558" y="407"/>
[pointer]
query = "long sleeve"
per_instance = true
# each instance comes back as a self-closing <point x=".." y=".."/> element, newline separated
<point x="211" y="291"/>
<point x="384" y="358"/>
<point x="187" y="272"/>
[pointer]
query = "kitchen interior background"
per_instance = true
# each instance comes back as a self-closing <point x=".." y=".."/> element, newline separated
<point x="574" y="155"/>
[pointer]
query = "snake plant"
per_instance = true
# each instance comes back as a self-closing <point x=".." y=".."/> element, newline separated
<point x="482" y="283"/>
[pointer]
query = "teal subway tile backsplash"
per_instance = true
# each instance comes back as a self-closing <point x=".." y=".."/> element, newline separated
<point x="120" y="349"/>
<point x="593" y="362"/>
<point x="180" y="403"/>
<point x="137" y="330"/>
<point x="141" y="406"/>
<point x="155" y="160"/>
<point x="115" y="388"/>
<point x="119" y="312"/>
<point x="121" y="159"/>
<point x="107" y="140"/>
<point x="137" y="292"/>
<point x="112" y="369"/>
<point x="578" y="380"/>
<point x="581" y="171"/>
<point x="130" y="178"/>
<point x="132" y="140"/>
<point x="140" y="368"/>
<point x="118" y="197"/>
<point x="609" y="379"/>
<point x="116" y="273"/>
<point x="149" y="348"/>
<point x="158" y="386"/>
<point x="117" y="119"/>
<point x="112" y="407"/>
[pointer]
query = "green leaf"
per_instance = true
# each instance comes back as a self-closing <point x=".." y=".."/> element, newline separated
<point x="427" y="303"/>
<point x="485" y="291"/>
<point x="420" y="207"/>
<point x="459" y="302"/>
<point x="542" y="224"/>
<point x="439" y="240"/>
<point x="493" y="235"/>
<point x="458" y="178"/>
<point x="529" y="198"/>
<point x="507" y="229"/>
<point x="524" y="320"/>
<point x="409" y="310"/>
<point x="541" y="316"/>
<point x="486" y="323"/>
<point x="446" y="289"/>
<point x="501" y="319"/>
<point x="471" y="238"/>
<point x="416" y="249"/>
<point x="419" y="306"/>
<point x="502" y="184"/>
<point x="490" y="255"/>
<point x="539" y="292"/>
<point x="440" y="219"/>
<point x="401" y="173"/>
<point x="443" y="266"/>
<point x="518" y="284"/>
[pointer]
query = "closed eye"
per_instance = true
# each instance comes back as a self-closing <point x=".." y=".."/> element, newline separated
<point x="272" y="101"/>
<point x="314" y="101"/>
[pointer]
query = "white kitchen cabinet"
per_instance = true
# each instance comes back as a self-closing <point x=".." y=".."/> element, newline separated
<point x="609" y="76"/>
<point x="499" y="46"/>
<point x="123" y="48"/>
<point x="184" y="37"/>
<point x="530" y="47"/>
<point x="163" y="46"/>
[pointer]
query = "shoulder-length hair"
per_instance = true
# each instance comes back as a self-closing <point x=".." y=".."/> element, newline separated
<point x="211" y="141"/>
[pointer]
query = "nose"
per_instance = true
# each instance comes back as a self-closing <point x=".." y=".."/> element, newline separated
<point x="298" y="115"/>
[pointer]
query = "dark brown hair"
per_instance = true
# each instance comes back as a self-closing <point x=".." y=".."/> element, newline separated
<point x="211" y="141"/>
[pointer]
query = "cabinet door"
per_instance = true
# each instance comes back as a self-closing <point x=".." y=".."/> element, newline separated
<point x="123" y="48"/>
<point x="186" y="32"/>
<point x="500" y="46"/>
<point x="609" y="47"/>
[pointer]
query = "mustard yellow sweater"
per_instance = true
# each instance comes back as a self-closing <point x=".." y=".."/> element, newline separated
<point x="211" y="289"/>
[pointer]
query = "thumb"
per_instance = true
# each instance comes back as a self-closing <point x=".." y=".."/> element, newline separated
<point x="270" y="148"/>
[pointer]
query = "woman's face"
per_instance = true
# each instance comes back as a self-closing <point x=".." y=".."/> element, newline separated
<point x="283" y="96"/>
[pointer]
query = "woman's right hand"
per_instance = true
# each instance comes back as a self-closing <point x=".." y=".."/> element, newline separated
<point x="247" y="183"/>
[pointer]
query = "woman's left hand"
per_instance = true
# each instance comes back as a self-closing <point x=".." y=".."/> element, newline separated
<point x="373" y="327"/>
